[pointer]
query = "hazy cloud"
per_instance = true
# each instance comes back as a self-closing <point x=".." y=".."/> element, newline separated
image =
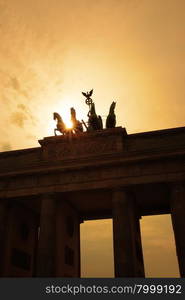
<point x="23" y="114"/>
<point x="31" y="137"/>
<point x="6" y="147"/>
<point x="132" y="50"/>
<point x="14" y="82"/>
<point x="18" y="118"/>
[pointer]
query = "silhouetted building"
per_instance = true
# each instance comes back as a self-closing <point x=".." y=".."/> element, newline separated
<point x="46" y="192"/>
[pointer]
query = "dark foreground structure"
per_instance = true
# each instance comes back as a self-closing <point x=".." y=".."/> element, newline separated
<point x="46" y="192"/>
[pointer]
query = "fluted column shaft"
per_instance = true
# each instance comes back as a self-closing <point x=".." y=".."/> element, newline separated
<point x="178" y="221"/>
<point x="47" y="238"/>
<point x="128" y="258"/>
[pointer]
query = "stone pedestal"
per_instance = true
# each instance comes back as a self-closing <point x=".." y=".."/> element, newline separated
<point x="86" y="144"/>
<point x="128" y="256"/>
<point x="178" y="221"/>
<point x="46" y="252"/>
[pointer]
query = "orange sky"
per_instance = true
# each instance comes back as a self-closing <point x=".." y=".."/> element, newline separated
<point x="131" y="51"/>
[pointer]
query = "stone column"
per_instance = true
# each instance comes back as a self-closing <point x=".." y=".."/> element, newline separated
<point x="68" y="239"/>
<point x="128" y="257"/>
<point x="178" y="221"/>
<point x="79" y="248"/>
<point x="3" y="226"/>
<point x="46" y="252"/>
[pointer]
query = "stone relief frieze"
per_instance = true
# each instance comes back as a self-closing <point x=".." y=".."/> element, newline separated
<point x="75" y="150"/>
<point x="89" y="175"/>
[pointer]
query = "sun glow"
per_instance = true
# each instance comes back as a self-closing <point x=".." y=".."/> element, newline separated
<point x="61" y="105"/>
<point x="69" y="124"/>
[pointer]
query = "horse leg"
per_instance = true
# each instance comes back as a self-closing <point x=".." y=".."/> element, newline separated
<point x="55" y="131"/>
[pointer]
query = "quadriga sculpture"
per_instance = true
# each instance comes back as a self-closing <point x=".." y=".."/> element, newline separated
<point x="111" y="118"/>
<point x="94" y="121"/>
<point x="61" y="127"/>
<point x="77" y="125"/>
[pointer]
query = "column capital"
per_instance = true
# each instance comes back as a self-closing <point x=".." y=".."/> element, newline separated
<point x="48" y="195"/>
<point x="120" y="189"/>
<point x="81" y="220"/>
<point x="124" y="195"/>
<point x="177" y="196"/>
<point x="177" y="186"/>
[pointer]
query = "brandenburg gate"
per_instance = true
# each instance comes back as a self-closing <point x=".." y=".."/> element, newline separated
<point x="46" y="192"/>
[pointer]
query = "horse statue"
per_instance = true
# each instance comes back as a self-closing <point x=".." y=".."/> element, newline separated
<point x="77" y="125"/>
<point x="61" y="127"/>
<point x="111" y="118"/>
<point x="94" y="121"/>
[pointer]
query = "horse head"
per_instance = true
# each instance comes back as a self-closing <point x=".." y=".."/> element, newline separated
<point x="112" y="107"/>
<point x="73" y="113"/>
<point x="57" y="116"/>
<point x="54" y="116"/>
